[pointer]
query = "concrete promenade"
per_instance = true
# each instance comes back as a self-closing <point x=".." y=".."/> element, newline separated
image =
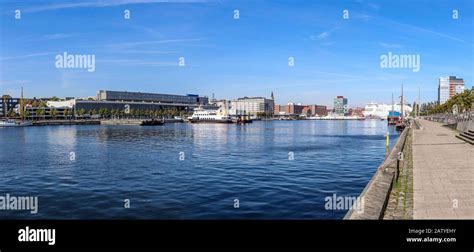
<point x="443" y="174"/>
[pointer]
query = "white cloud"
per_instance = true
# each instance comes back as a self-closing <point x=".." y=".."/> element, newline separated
<point x="26" y="56"/>
<point x="155" y="42"/>
<point x="57" y="36"/>
<point x="323" y="35"/>
<point x="387" y="45"/>
<point x="98" y="4"/>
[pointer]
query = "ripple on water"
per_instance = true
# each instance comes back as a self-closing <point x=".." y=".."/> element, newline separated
<point x="222" y="163"/>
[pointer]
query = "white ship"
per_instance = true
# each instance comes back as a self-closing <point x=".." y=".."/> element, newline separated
<point x="12" y="123"/>
<point x="375" y="110"/>
<point x="210" y="116"/>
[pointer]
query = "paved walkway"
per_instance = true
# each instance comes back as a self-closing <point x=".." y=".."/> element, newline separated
<point x="443" y="174"/>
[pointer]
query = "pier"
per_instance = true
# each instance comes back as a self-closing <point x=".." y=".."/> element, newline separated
<point x="432" y="178"/>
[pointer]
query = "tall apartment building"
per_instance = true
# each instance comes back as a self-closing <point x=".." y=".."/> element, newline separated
<point x="449" y="87"/>
<point x="340" y="106"/>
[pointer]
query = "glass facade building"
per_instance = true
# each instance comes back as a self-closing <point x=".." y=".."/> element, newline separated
<point x="105" y="95"/>
<point x="340" y="106"/>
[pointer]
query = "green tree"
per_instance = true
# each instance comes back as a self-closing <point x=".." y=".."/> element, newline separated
<point x="40" y="112"/>
<point x="54" y="113"/>
<point x="11" y="113"/>
<point x="463" y="100"/>
<point x="104" y="112"/>
<point x="81" y="112"/>
<point x="67" y="113"/>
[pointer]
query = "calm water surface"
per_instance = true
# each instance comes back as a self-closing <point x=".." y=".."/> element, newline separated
<point x="221" y="163"/>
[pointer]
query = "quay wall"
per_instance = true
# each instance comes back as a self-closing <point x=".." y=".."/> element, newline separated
<point x="65" y="122"/>
<point x="375" y="195"/>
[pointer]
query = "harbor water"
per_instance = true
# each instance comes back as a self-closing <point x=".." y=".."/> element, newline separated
<point x="262" y="170"/>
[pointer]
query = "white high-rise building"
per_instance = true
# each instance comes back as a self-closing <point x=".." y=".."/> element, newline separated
<point x="443" y="90"/>
<point x="449" y="87"/>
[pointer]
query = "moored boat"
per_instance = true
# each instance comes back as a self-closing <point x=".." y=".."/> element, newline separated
<point x="13" y="123"/>
<point x="209" y="116"/>
<point x="152" y="122"/>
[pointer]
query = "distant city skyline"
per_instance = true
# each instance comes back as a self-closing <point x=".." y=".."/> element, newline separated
<point x="303" y="52"/>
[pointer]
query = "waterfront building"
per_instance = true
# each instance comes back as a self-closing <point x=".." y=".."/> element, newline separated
<point x="449" y="87"/>
<point x="69" y="103"/>
<point x="8" y="104"/>
<point x="106" y="95"/>
<point x="38" y="113"/>
<point x="252" y="106"/>
<point x="278" y="109"/>
<point x="356" y="112"/>
<point x="137" y="101"/>
<point x="443" y="90"/>
<point x="299" y="109"/>
<point x="294" y="109"/>
<point x="340" y="106"/>
<point x="318" y="110"/>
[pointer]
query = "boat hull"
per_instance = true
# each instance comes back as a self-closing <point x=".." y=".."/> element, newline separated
<point x="7" y="125"/>
<point x="209" y="121"/>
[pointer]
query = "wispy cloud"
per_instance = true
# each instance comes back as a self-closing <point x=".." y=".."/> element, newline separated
<point x="146" y="52"/>
<point x="325" y="34"/>
<point x="374" y="6"/>
<point x="156" y="42"/>
<point x="126" y="62"/>
<point x="56" y="36"/>
<point x="100" y="4"/>
<point x="26" y="56"/>
<point x="363" y="16"/>
<point x="424" y="30"/>
<point x="388" y="45"/>
<point x="13" y="82"/>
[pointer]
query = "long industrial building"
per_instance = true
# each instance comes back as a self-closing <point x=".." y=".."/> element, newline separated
<point x="141" y="101"/>
<point x="105" y="95"/>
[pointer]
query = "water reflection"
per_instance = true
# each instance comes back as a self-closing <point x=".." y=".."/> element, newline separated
<point x="221" y="162"/>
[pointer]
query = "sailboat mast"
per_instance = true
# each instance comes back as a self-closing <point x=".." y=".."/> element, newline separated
<point x="419" y="103"/>
<point x="402" y="104"/>
<point x="392" y="104"/>
<point x="21" y="105"/>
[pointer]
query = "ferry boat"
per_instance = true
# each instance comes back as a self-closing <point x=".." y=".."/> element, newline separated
<point x="374" y="110"/>
<point x="209" y="116"/>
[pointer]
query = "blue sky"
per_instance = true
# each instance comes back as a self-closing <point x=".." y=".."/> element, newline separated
<point x="234" y="58"/>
